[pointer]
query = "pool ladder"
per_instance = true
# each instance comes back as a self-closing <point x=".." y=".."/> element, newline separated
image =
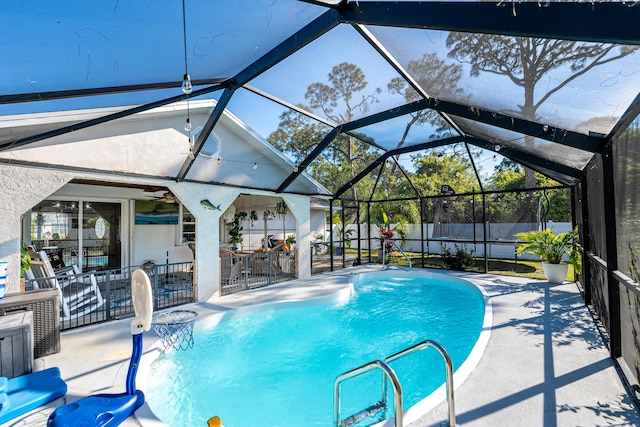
<point x="388" y="371"/>
<point x="384" y="253"/>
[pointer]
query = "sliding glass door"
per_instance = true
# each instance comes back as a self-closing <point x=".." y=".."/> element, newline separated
<point x="76" y="232"/>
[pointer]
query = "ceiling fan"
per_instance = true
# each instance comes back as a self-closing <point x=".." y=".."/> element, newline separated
<point x="167" y="197"/>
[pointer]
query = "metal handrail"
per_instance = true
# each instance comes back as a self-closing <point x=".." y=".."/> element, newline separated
<point x="367" y="367"/>
<point x="384" y="252"/>
<point x="397" y="388"/>
<point x="448" y="365"/>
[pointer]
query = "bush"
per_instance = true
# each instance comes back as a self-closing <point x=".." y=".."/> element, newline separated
<point x="458" y="260"/>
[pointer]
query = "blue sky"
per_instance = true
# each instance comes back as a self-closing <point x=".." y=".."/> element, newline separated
<point x="74" y="44"/>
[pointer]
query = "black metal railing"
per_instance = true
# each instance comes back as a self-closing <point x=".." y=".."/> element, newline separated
<point x="100" y="296"/>
<point x="241" y="272"/>
<point x="65" y="252"/>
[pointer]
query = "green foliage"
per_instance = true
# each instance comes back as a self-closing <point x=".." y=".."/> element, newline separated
<point x="401" y="211"/>
<point x="345" y="94"/>
<point x="506" y="177"/>
<point x="335" y="218"/>
<point x="436" y="168"/>
<point x="458" y="260"/>
<point x="39" y="219"/>
<point x="528" y="63"/>
<point x="25" y="259"/>
<point x="385" y="233"/>
<point x="282" y="208"/>
<point x="551" y="247"/>
<point x="523" y="206"/>
<point x="297" y="134"/>
<point x="253" y="217"/>
<point x="560" y="205"/>
<point x="345" y="233"/>
<point x="235" y="233"/>
<point x="402" y="229"/>
<point x="385" y="220"/>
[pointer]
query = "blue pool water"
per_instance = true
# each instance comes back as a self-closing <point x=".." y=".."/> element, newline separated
<point x="277" y="367"/>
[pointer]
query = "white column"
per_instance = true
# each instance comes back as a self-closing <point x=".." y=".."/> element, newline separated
<point x="207" y="230"/>
<point x="22" y="188"/>
<point x="300" y="207"/>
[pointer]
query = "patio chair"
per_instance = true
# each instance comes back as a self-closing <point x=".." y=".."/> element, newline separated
<point x="265" y="263"/>
<point x="230" y="272"/>
<point x="79" y="294"/>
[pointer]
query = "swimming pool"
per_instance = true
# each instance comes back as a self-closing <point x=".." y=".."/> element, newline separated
<point x="276" y="367"/>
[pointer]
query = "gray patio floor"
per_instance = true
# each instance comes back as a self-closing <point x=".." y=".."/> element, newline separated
<point x="545" y="363"/>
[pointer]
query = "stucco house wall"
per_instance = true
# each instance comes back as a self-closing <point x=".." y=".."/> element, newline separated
<point x="141" y="150"/>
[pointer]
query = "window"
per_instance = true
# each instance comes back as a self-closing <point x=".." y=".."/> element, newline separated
<point x="187" y="226"/>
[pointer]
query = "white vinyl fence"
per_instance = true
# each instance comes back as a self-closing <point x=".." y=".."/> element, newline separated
<point x="500" y="237"/>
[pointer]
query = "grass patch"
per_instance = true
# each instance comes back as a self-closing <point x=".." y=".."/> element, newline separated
<point x="506" y="267"/>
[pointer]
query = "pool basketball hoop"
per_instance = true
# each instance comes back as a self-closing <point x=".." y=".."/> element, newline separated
<point x="175" y="328"/>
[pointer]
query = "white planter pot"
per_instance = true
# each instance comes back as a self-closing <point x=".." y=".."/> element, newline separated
<point x="555" y="273"/>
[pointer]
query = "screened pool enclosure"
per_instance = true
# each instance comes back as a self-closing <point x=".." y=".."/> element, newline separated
<point x="460" y="123"/>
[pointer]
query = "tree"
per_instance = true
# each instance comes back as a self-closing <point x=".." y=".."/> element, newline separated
<point x="337" y="102"/>
<point x="526" y="61"/>
<point x="507" y="164"/>
<point x="519" y="206"/>
<point x="345" y="81"/>
<point x="297" y="134"/>
<point x="433" y="75"/>
<point x="432" y="170"/>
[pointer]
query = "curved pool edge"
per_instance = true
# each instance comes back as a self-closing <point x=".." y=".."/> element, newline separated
<point x="423" y="407"/>
<point x="146" y="418"/>
<point x="206" y="319"/>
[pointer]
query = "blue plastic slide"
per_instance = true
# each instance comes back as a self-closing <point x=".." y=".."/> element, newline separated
<point x="22" y="394"/>
<point x="112" y="409"/>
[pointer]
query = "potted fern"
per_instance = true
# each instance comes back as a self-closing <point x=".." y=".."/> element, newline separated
<point x="552" y="249"/>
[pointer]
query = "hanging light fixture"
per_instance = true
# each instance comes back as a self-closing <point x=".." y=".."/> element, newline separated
<point x="187" y="87"/>
<point x="190" y="148"/>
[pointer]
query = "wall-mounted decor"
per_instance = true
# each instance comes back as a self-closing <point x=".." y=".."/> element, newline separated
<point x="207" y="204"/>
<point x="152" y="212"/>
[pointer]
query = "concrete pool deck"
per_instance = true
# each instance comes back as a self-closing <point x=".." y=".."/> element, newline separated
<point x="545" y="363"/>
